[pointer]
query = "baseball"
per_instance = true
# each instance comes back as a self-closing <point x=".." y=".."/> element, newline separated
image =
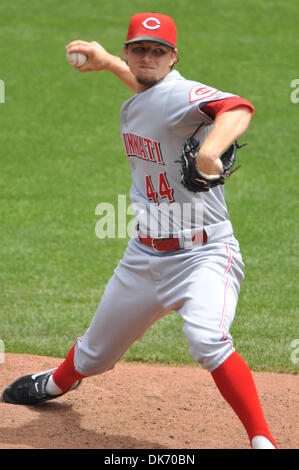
<point x="76" y="58"/>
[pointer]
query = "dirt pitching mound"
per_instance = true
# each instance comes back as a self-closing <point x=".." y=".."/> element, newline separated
<point x="141" y="406"/>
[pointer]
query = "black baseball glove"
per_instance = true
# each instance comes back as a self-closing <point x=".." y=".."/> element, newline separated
<point x="192" y="179"/>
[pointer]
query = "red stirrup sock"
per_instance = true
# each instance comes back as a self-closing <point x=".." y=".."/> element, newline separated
<point x="66" y="375"/>
<point x="236" y="384"/>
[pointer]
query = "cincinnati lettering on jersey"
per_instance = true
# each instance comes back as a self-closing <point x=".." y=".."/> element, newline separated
<point x="142" y="147"/>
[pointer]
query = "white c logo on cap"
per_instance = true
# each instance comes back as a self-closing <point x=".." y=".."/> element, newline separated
<point x="156" y="26"/>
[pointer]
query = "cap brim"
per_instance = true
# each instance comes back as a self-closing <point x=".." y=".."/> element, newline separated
<point x="151" y="39"/>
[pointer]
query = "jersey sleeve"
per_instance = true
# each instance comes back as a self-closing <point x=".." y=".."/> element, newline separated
<point x="216" y="108"/>
<point x="190" y="103"/>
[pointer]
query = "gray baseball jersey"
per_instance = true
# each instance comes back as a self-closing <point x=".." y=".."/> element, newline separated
<point x="154" y="126"/>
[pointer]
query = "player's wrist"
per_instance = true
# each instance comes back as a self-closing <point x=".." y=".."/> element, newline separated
<point x="115" y="64"/>
<point x="209" y="165"/>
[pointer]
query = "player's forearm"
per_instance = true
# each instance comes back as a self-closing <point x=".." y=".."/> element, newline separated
<point x="227" y="127"/>
<point x="120" y="69"/>
<point x="99" y="59"/>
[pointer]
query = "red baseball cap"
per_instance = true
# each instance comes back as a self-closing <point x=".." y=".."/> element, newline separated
<point x="152" y="27"/>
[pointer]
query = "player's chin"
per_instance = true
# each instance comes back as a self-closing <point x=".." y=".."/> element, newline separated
<point x="146" y="80"/>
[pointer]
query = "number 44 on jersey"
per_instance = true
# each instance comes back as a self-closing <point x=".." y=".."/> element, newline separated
<point x="158" y="189"/>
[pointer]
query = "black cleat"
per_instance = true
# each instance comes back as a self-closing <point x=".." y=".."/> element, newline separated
<point x="31" y="389"/>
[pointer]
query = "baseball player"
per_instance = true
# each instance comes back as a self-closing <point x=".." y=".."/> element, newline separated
<point x="180" y="139"/>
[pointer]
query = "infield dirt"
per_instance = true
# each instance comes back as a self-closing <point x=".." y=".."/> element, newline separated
<point x="141" y="406"/>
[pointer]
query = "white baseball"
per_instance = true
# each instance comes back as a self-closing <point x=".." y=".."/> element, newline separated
<point x="76" y="58"/>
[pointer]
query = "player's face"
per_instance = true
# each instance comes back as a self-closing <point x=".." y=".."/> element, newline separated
<point x="149" y="62"/>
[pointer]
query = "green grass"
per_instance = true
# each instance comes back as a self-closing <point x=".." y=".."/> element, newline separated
<point x="61" y="155"/>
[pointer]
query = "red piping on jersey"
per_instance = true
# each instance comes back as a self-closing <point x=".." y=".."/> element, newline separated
<point x="226" y="272"/>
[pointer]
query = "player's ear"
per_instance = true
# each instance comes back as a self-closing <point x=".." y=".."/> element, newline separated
<point x="125" y="53"/>
<point x="174" y="57"/>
